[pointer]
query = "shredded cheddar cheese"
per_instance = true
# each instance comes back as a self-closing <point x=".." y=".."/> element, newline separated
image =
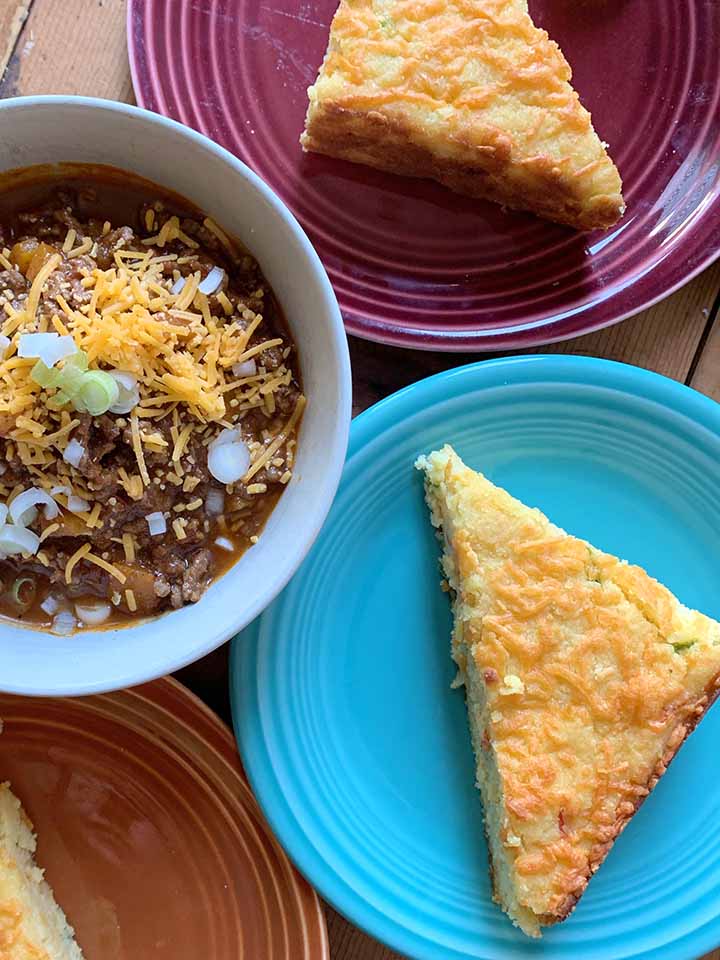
<point x="81" y="552"/>
<point x="41" y="278"/>
<point x="108" y="567"/>
<point x="48" y="531"/>
<point x="137" y="447"/>
<point x="270" y="451"/>
<point x="129" y="547"/>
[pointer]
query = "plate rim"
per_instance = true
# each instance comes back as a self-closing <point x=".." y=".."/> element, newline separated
<point x="360" y="325"/>
<point x="258" y="765"/>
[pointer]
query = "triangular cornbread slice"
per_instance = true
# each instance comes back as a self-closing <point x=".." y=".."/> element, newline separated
<point x="583" y="677"/>
<point x="32" y="925"/>
<point x="467" y="92"/>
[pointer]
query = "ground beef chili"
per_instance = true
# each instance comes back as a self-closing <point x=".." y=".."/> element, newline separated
<point x="125" y="261"/>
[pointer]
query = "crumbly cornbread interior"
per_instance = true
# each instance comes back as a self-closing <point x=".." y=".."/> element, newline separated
<point x="32" y="925"/>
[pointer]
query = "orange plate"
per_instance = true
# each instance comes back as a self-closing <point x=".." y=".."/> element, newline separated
<point x="148" y="830"/>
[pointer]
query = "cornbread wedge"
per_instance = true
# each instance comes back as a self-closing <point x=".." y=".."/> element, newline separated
<point x="583" y="677"/>
<point x="32" y="925"/>
<point x="467" y="92"/>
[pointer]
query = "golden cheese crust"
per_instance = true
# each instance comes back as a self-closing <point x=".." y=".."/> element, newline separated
<point x="588" y="673"/>
<point x="467" y="92"/>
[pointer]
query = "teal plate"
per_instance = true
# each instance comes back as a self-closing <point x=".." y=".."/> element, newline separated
<point x="355" y="744"/>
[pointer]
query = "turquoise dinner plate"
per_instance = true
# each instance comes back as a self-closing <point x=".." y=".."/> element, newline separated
<point x="355" y="744"/>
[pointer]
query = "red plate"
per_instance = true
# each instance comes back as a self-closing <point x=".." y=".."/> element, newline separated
<point x="415" y="265"/>
<point x="148" y="831"/>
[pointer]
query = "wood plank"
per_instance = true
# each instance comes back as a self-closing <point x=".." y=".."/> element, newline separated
<point x="349" y="943"/>
<point x="664" y="338"/>
<point x="71" y="48"/>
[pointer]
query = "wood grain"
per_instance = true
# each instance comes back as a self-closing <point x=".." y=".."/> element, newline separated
<point x="71" y="46"/>
<point x="78" y="46"/>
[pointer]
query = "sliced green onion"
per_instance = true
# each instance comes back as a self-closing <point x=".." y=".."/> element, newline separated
<point x="67" y="380"/>
<point x="684" y="645"/>
<point x="78" y="361"/>
<point x="58" y="400"/>
<point x="23" y="592"/>
<point x="46" y="377"/>
<point x="89" y="391"/>
<point x="96" y="394"/>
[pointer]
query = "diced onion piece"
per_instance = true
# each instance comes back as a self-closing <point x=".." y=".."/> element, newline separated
<point x="64" y="490"/>
<point x="3" y="513"/>
<point x="225" y="544"/>
<point x="27" y="518"/>
<point x="77" y="504"/>
<point x="16" y="539"/>
<point x="177" y="287"/>
<point x="157" y="524"/>
<point x="73" y="453"/>
<point x="212" y="281"/>
<point x="124" y="379"/>
<point x="3" y="468"/>
<point x="215" y="502"/>
<point x="128" y="392"/>
<point x="64" y="622"/>
<point x="96" y="393"/>
<point x="228" y="462"/>
<point x="22" y="509"/>
<point x="226" y="435"/>
<point x="48" y="347"/>
<point x="50" y="605"/>
<point x="248" y="368"/>
<point x="92" y="613"/>
<point x="4" y="342"/>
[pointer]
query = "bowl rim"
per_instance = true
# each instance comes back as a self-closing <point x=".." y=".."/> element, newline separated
<point x="219" y="629"/>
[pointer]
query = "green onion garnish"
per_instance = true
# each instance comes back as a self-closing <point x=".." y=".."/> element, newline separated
<point x="683" y="645"/>
<point x="23" y="592"/>
<point x="46" y="377"/>
<point x="58" y="400"/>
<point x="89" y="391"/>
<point x="96" y="393"/>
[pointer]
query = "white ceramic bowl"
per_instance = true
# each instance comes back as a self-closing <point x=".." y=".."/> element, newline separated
<point x="76" y="129"/>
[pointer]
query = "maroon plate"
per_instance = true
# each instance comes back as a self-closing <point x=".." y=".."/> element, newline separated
<point x="414" y="264"/>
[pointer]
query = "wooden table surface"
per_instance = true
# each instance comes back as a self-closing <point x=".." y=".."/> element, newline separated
<point x="78" y="47"/>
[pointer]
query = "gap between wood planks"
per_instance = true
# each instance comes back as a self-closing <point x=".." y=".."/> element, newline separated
<point x="704" y="374"/>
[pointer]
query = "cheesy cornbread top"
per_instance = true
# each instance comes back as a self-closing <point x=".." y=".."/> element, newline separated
<point x="594" y="674"/>
<point x="474" y="81"/>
